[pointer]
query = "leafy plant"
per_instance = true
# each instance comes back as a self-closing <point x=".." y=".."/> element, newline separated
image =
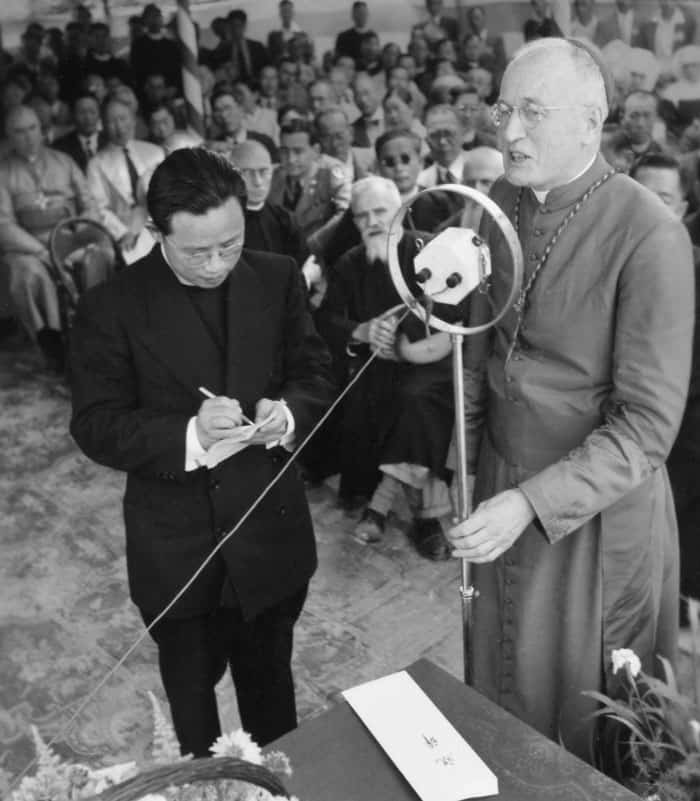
<point x="651" y="730"/>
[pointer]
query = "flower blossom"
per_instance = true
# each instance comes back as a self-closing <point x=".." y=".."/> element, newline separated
<point x="238" y="744"/>
<point x="626" y="657"/>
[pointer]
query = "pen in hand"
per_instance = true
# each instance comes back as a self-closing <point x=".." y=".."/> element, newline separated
<point x="208" y="394"/>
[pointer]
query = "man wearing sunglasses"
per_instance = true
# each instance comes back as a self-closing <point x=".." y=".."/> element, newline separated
<point x="580" y="389"/>
<point x="168" y="362"/>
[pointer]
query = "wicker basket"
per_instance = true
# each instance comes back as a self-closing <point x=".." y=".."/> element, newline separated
<point x="159" y="778"/>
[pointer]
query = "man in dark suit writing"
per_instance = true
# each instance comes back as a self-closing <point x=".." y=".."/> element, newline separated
<point x="200" y="312"/>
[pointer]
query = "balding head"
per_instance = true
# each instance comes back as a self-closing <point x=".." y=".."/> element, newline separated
<point x="550" y="113"/>
<point x="576" y="69"/>
<point x="23" y="130"/>
<point x="482" y="166"/>
<point x="255" y="165"/>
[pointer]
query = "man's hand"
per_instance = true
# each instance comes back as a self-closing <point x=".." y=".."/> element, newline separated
<point x="382" y="333"/>
<point x="276" y="426"/>
<point x="216" y="419"/>
<point x="493" y="528"/>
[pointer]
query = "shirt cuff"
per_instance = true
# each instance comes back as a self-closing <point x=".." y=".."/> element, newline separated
<point x="195" y="455"/>
<point x="286" y="441"/>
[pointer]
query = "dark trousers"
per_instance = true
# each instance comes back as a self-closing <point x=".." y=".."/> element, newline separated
<point x="194" y="653"/>
<point x="684" y="472"/>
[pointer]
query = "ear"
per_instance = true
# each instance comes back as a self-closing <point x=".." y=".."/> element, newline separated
<point x="683" y="209"/>
<point x="316" y="148"/>
<point x="593" y="123"/>
<point x="154" y="231"/>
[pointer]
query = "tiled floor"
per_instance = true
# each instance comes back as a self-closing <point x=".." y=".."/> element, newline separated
<point x="65" y="617"/>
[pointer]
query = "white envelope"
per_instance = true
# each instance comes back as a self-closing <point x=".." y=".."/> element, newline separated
<point x="432" y="755"/>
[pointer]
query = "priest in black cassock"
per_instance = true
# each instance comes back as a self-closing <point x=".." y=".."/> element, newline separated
<point x="268" y="227"/>
<point x="397" y="420"/>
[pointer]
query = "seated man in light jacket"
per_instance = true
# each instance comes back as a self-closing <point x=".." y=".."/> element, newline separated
<point x="118" y="177"/>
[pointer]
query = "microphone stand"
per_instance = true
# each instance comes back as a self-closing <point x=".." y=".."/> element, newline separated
<point x="466" y="590"/>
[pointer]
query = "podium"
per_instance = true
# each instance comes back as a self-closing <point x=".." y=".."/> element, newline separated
<point x="335" y="758"/>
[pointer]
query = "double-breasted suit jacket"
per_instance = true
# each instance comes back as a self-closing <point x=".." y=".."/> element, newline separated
<point x="140" y="351"/>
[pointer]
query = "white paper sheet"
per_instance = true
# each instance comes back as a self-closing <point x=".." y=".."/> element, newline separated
<point x="422" y="743"/>
<point x="231" y="445"/>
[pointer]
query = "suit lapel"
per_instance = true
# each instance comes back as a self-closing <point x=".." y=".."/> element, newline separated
<point x="176" y="334"/>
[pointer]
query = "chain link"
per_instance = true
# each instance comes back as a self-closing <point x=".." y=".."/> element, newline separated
<point x="519" y="305"/>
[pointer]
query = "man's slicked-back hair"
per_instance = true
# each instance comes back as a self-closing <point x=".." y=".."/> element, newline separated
<point x="661" y="161"/>
<point x="397" y="133"/>
<point x="296" y="126"/>
<point x="194" y="180"/>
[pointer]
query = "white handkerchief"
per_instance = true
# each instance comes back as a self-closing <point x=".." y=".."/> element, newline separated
<point x="432" y="755"/>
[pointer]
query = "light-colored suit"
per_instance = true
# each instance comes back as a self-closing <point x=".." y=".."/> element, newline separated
<point x="109" y="182"/>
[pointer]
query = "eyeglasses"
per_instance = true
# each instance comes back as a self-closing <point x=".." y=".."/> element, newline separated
<point x="443" y="133"/>
<point x="261" y="173"/>
<point x="393" y="161"/>
<point x="466" y="107"/>
<point x="198" y="258"/>
<point x="531" y="114"/>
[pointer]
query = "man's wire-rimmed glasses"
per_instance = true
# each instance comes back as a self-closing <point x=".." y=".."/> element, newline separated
<point x="531" y="114"/>
<point x="198" y="258"/>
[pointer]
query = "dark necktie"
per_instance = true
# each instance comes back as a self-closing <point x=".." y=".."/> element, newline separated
<point x="133" y="175"/>
<point x="447" y="177"/>
<point x="292" y="194"/>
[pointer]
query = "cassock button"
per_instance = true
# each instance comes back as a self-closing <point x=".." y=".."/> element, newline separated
<point x="220" y="531"/>
<point x="215" y="485"/>
<point x="283" y="511"/>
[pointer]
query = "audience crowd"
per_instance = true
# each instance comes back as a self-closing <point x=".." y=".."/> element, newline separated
<point x="330" y="145"/>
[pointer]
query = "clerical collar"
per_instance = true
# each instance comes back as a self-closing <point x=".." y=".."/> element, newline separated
<point x="155" y="36"/>
<point x="542" y="195"/>
<point x="255" y="206"/>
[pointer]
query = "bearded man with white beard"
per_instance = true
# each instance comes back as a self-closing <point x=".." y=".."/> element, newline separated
<point x="397" y="420"/>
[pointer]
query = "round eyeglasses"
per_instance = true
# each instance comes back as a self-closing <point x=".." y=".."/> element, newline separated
<point x="198" y="258"/>
<point x="531" y="114"/>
